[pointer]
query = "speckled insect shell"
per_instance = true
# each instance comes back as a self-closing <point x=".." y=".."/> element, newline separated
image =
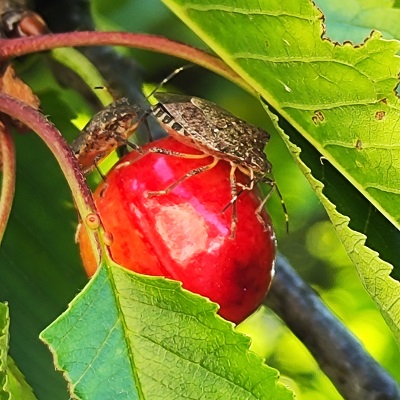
<point x="107" y="130"/>
<point x="215" y="131"/>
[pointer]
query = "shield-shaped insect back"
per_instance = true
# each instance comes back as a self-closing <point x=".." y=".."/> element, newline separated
<point x="108" y="129"/>
<point x="215" y="131"/>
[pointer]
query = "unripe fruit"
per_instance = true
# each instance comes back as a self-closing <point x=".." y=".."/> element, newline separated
<point x="184" y="235"/>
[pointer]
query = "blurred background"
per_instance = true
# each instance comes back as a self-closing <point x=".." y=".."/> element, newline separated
<point x="311" y="246"/>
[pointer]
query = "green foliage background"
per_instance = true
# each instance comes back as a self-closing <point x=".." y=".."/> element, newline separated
<point x="43" y="219"/>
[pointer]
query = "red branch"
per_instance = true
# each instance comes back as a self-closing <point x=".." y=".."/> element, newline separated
<point x="7" y="157"/>
<point x="17" y="47"/>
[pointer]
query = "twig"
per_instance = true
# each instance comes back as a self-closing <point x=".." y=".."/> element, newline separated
<point x="123" y="75"/>
<point x="18" y="47"/>
<point x="340" y="355"/>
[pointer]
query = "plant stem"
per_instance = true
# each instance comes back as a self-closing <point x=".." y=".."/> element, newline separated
<point x="63" y="153"/>
<point x="17" y="47"/>
<point x="340" y="355"/>
<point x="122" y="74"/>
<point x="77" y="62"/>
<point x="7" y="157"/>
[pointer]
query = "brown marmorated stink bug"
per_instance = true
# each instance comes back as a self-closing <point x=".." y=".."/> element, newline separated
<point x="107" y="130"/>
<point x="110" y="128"/>
<point x="218" y="134"/>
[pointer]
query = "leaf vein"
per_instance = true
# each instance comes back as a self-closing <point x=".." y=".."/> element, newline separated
<point x="213" y="373"/>
<point x="365" y="146"/>
<point x="98" y="352"/>
<point x="308" y="60"/>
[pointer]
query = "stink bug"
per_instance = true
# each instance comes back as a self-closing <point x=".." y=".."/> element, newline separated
<point x="204" y="125"/>
<point x="219" y="134"/>
<point x="107" y="130"/>
<point x="110" y="128"/>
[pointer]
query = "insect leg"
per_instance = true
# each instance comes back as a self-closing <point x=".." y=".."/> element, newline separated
<point x="124" y="141"/>
<point x="173" y="153"/>
<point x="234" y="196"/>
<point x="188" y="175"/>
<point x="244" y="187"/>
<point x="249" y="172"/>
<point x="159" y="150"/>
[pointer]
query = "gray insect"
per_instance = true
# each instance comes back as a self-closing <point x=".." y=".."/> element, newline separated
<point x="108" y="129"/>
<point x="217" y="133"/>
<point x="204" y="125"/>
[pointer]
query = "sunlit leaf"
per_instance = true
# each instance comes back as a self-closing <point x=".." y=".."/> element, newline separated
<point x="127" y="336"/>
<point x="12" y="383"/>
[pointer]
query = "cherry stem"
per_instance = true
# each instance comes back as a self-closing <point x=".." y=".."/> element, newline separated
<point x="7" y="158"/>
<point x="37" y="122"/>
<point x="17" y="47"/>
<point x="355" y="374"/>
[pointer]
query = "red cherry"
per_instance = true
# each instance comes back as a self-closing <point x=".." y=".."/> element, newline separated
<point x="184" y="235"/>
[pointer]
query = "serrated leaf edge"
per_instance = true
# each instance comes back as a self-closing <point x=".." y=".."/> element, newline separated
<point x="175" y="285"/>
<point x="357" y="250"/>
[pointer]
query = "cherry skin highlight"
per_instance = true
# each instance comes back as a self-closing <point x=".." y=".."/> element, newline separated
<point x="184" y="235"/>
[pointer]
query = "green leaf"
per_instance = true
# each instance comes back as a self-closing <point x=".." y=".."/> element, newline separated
<point x="128" y="336"/>
<point x="19" y="388"/>
<point x="341" y="99"/>
<point x="4" y="324"/>
<point x="12" y="383"/>
<point x="330" y="186"/>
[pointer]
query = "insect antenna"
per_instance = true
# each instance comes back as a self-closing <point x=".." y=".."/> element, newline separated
<point x="146" y="113"/>
<point x="168" y="78"/>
